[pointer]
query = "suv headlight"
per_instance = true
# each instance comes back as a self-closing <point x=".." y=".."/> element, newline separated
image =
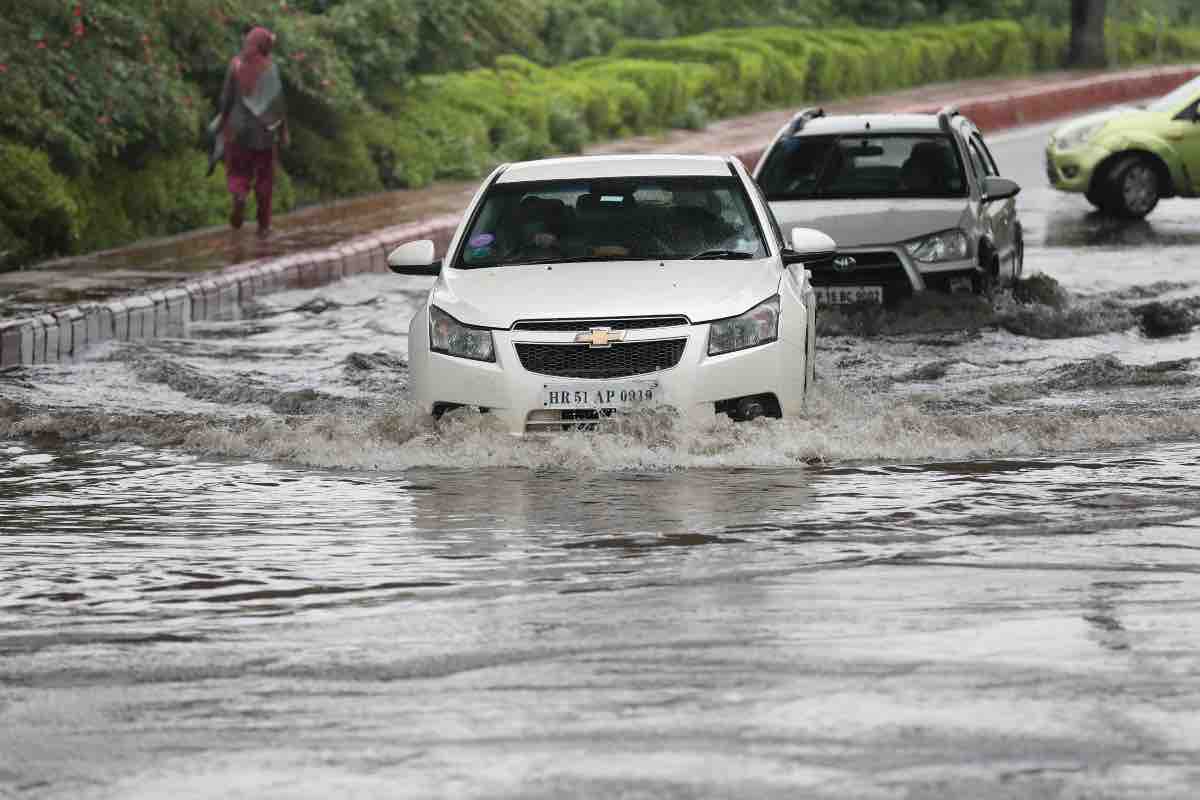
<point x="944" y="246"/>
<point x="448" y="335"/>
<point x="759" y="325"/>
<point x="1077" y="136"/>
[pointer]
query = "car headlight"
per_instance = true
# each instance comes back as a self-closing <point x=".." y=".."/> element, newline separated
<point x="1070" y="138"/>
<point x="944" y="246"/>
<point x="759" y="325"/>
<point x="448" y="335"/>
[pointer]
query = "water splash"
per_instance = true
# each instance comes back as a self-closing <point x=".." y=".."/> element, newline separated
<point x="840" y="426"/>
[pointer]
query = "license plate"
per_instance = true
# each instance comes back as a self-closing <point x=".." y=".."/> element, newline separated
<point x="844" y="295"/>
<point x="598" y="395"/>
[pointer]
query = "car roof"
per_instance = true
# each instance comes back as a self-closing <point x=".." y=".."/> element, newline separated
<point x="878" y="123"/>
<point x="616" y="166"/>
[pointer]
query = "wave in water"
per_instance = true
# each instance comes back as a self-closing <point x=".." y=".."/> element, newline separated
<point x="840" y="426"/>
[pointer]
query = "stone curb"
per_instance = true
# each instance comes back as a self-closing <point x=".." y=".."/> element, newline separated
<point x="66" y="333"/>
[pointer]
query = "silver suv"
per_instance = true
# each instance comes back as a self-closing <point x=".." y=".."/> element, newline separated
<point x="914" y="201"/>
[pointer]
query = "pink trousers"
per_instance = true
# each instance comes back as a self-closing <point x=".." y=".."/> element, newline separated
<point x="245" y="168"/>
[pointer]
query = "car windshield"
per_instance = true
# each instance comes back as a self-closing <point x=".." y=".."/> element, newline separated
<point x="863" y="165"/>
<point x="1177" y="99"/>
<point x="628" y="219"/>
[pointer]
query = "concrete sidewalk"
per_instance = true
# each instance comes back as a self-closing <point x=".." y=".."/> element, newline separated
<point x="156" y="288"/>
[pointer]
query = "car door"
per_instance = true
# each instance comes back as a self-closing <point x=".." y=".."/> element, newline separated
<point x="1001" y="215"/>
<point x="1184" y="136"/>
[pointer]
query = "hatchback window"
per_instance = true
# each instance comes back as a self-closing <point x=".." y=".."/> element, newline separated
<point x="863" y="165"/>
<point x="628" y="219"/>
<point x="1177" y="99"/>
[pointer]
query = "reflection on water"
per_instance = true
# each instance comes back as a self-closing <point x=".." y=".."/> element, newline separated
<point x="1078" y="228"/>
<point x="223" y="627"/>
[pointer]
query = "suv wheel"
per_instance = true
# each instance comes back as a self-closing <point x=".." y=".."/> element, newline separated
<point x="1134" y="187"/>
<point x="986" y="278"/>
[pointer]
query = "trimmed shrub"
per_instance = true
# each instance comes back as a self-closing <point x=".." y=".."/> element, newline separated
<point x="36" y="204"/>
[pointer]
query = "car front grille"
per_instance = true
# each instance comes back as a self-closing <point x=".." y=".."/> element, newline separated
<point x="616" y="324"/>
<point x="618" y="361"/>
<point x="882" y="268"/>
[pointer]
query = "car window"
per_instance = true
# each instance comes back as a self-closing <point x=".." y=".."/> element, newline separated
<point x="627" y="219"/>
<point x="863" y="165"/>
<point x="775" y="229"/>
<point x="978" y="163"/>
<point x="1175" y="100"/>
<point x="988" y="161"/>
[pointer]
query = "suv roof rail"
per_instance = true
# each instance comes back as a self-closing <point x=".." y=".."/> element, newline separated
<point x="946" y="114"/>
<point x="800" y="120"/>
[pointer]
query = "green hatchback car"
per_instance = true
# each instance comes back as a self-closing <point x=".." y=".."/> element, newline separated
<point x="1126" y="159"/>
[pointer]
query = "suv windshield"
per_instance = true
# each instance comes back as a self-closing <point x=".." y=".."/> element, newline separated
<point x="1176" y="99"/>
<point x="626" y="219"/>
<point x="863" y="165"/>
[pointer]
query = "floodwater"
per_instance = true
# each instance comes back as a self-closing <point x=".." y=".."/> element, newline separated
<point x="239" y="565"/>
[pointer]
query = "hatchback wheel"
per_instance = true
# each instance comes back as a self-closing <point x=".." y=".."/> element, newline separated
<point x="1134" y="187"/>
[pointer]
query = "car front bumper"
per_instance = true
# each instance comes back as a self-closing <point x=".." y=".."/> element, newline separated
<point x="892" y="269"/>
<point x="693" y="387"/>
<point x="1071" y="170"/>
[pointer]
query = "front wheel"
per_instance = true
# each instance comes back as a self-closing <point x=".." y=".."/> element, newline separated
<point x="1098" y="196"/>
<point x="986" y="279"/>
<point x="1134" y="187"/>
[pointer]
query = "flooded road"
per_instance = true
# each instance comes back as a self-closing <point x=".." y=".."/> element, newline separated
<point x="239" y="565"/>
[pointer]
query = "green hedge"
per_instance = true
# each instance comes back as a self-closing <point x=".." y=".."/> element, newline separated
<point x="460" y="124"/>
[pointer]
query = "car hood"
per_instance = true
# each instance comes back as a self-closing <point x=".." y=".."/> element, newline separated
<point x="860" y="223"/>
<point x="702" y="290"/>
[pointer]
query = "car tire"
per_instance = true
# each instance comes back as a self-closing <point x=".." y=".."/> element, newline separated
<point x="1099" y="197"/>
<point x="1134" y="187"/>
<point x="986" y="279"/>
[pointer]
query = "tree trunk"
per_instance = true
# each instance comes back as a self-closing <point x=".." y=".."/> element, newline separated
<point x="1087" y="34"/>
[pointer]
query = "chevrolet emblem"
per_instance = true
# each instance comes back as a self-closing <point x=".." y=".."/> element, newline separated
<point x="600" y="337"/>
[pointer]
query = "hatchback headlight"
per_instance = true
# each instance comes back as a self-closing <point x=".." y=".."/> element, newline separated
<point x="944" y="246"/>
<point x="1077" y="136"/>
<point x="759" y="325"/>
<point x="448" y="335"/>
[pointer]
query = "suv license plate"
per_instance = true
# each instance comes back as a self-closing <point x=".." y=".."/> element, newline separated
<point x="845" y="295"/>
<point x="598" y="395"/>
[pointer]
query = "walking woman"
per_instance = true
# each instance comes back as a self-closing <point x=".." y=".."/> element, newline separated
<point x="251" y="123"/>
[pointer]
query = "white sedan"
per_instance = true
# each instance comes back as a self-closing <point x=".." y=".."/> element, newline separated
<point x="577" y="288"/>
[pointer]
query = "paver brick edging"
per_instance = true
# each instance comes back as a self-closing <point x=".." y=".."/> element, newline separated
<point x="67" y="332"/>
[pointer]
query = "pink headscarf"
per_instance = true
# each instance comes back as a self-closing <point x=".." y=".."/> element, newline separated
<point x="254" y="59"/>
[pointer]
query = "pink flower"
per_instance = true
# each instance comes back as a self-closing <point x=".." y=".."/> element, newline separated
<point x="79" y="30"/>
<point x="3" y="68"/>
<point x="41" y="45"/>
<point x="79" y="11"/>
<point x="103" y="120"/>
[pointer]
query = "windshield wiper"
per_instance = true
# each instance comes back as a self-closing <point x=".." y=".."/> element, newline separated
<point x="525" y="262"/>
<point x="731" y="254"/>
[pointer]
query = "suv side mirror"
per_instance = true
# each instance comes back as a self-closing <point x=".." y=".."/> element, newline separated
<point x="415" y="258"/>
<point x="809" y="246"/>
<point x="995" y="188"/>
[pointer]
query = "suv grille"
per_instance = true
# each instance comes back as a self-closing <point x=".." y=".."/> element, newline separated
<point x="627" y="324"/>
<point x="618" y="361"/>
<point x="881" y="268"/>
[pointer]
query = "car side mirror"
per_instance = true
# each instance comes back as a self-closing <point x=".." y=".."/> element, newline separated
<point x="415" y="258"/>
<point x="995" y="188"/>
<point x="809" y="247"/>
